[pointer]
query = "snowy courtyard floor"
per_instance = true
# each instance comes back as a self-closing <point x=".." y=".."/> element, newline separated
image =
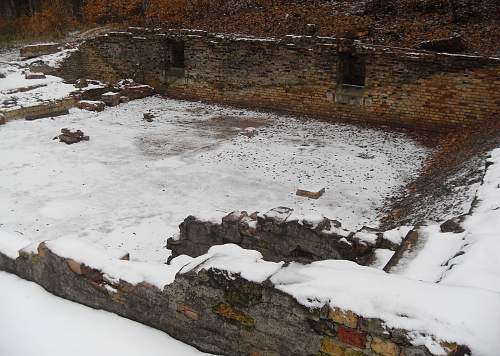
<point x="135" y="181"/>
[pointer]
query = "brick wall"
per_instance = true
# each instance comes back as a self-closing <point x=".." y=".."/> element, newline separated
<point x="301" y="75"/>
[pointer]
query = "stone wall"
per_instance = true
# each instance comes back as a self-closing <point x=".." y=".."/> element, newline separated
<point x="279" y="236"/>
<point x="38" y="111"/>
<point x="217" y="311"/>
<point x="301" y="75"/>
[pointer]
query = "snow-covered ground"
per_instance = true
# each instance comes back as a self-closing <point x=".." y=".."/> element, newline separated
<point x="16" y="91"/>
<point x="35" y="322"/>
<point x="468" y="259"/>
<point x="134" y="182"/>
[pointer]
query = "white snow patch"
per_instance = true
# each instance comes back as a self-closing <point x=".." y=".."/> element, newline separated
<point x="233" y="258"/>
<point x="397" y="235"/>
<point x="382" y="256"/>
<point x="368" y="237"/>
<point x="114" y="269"/>
<point x="11" y="243"/>
<point x="34" y="322"/>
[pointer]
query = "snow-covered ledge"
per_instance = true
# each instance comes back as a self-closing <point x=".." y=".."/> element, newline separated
<point x="230" y="301"/>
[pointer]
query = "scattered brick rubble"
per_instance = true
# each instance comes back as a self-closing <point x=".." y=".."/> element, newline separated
<point x="70" y="137"/>
<point x="134" y="92"/>
<point x="279" y="237"/>
<point x="111" y="98"/>
<point x="99" y="95"/>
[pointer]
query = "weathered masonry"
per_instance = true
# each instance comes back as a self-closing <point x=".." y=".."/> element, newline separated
<point x="331" y="78"/>
<point x="215" y="309"/>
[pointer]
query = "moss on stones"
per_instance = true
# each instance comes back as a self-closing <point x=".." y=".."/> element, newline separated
<point x="234" y="315"/>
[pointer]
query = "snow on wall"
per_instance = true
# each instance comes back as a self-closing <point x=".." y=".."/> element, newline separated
<point x="430" y="313"/>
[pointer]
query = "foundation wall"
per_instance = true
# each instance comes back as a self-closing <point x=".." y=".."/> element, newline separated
<point x="278" y="238"/>
<point x="301" y="75"/>
<point x="220" y="312"/>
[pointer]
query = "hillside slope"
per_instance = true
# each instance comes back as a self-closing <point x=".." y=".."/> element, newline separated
<point x="402" y="23"/>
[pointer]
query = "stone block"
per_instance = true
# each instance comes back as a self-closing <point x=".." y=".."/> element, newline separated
<point x="125" y="257"/>
<point x="400" y="336"/>
<point x="30" y="75"/>
<point x="188" y="312"/>
<point x="344" y="317"/>
<point x="384" y="347"/>
<point x="249" y="132"/>
<point x="331" y="347"/>
<point x="42" y="67"/>
<point x="352" y="337"/>
<point x="74" y="266"/>
<point x="451" y="226"/>
<point x="373" y="326"/>
<point x="81" y="83"/>
<point x="455" y="349"/>
<point x="92" y="274"/>
<point x="309" y="194"/>
<point x="37" y="50"/>
<point x="91" y="105"/>
<point x="415" y="351"/>
<point x="234" y="315"/>
<point x="137" y="91"/>
<point x="111" y="99"/>
<point x="3" y="120"/>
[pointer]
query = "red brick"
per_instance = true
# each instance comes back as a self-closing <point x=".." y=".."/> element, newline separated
<point x="352" y="337"/>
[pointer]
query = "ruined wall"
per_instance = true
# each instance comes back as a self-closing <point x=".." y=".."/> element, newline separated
<point x="48" y="109"/>
<point x="278" y="236"/>
<point x="302" y="75"/>
<point x="219" y="312"/>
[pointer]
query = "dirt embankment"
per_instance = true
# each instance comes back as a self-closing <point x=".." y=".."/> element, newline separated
<point x="402" y="23"/>
<point x="448" y="180"/>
